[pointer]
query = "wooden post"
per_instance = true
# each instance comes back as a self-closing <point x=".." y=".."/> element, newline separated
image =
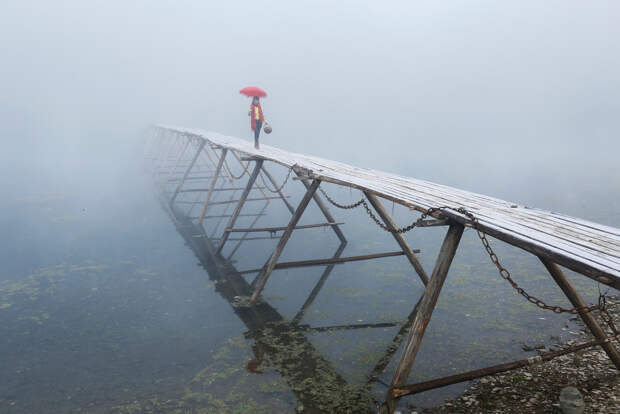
<point x="427" y="305"/>
<point x="187" y="171"/>
<point x="239" y="206"/>
<point x="325" y="211"/>
<point x="279" y="191"/>
<point x="212" y="186"/>
<point x="262" y="277"/>
<point x="587" y="317"/>
<point x="387" y="219"/>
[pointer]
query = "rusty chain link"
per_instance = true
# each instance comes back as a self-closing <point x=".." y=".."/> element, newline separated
<point x="278" y="189"/>
<point x="342" y="206"/>
<point x="230" y="171"/>
<point x="503" y="272"/>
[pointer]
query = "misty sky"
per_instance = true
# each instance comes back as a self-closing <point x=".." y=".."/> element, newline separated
<point x="485" y="95"/>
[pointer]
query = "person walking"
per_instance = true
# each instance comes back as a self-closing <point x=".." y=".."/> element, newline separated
<point x="256" y="119"/>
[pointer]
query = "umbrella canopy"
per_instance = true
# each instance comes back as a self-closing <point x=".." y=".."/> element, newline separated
<point x="253" y="91"/>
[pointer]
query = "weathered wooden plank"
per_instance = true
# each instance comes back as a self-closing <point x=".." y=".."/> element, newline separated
<point x="281" y="228"/>
<point x="585" y="247"/>
<point x="329" y="261"/>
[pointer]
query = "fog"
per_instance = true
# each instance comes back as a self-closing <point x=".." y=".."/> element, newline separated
<point x="453" y="91"/>
<point x="99" y="293"/>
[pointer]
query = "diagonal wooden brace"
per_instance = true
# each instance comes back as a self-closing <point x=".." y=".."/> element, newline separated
<point x="244" y="196"/>
<point x="324" y="210"/>
<point x="376" y="203"/>
<point x="279" y="191"/>
<point x="261" y="279"/>
<point x="587" y="317"/>
<point x="187" y="171"/>
<point x="427" y="305"/>
<point x="218" y="169"/>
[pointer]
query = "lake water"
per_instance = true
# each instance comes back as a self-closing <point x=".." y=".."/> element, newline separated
<point x="107" y="306"/>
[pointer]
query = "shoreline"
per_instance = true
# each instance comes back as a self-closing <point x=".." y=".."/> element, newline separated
<point x="536" y="388"/>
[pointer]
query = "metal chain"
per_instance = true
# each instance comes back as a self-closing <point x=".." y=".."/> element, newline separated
<point x="379" y="223"/>
<point x="503" y="272"/>
<point x="277" y="190"/>
<point x="342" y="206"/>
<point x="230" y="171"/>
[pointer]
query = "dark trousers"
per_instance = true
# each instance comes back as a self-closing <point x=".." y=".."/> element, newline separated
<point x="259" y="125"/>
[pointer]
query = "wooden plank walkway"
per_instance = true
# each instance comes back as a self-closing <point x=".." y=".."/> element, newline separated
<point x="583" y="246"/>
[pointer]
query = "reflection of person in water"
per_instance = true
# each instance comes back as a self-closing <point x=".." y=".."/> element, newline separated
<point x="259" y="357"/>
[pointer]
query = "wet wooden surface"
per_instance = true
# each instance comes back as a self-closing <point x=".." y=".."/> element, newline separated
<point x="589" y="248"/>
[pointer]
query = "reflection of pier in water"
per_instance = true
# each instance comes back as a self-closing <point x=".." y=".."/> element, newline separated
<point x="316" y="384"/>
<point x="207" y="196"/>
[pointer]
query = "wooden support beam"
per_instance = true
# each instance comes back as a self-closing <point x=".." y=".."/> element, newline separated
<point x="400" y="239"/>
<point x="275" y="185"/>
<point x="329" y="261"/>
<point x="274" y="229"/>
<point x="262" y="277"/>
<point x="202" y="190"/>
<point x="325" y="211"/>
<point x="187" y="171"/>
<point x="218" y="169"/>
<point x="241" y="239"/>
<point x="427" y="305"/>
<point x="433" y="223"/>
<point x="348" y="327"/>
<point x="587" y="317"/>
<point x="226" y="216"/>
<point x="244" y="196"/>
<point x="492" y="370"/>
<point x="246" y="200"/>
<point x="198" y="177"/>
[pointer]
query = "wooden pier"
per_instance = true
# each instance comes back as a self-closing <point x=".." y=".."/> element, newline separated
<point x="195" y="170"/>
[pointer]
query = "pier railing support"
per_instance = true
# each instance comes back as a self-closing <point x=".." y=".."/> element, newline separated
<point x="427" y="305"/>
<point x="278" y="190"/>
<point x="324" y="210"/>
<point x="400" y="239"/>
<point x="261" y="279"/>
<point x="187" y="171"/>
<point x="178" y="161"/>
<point x="218" y="169"/>
<point x="244" y="196"/>
<point x="587" y="317"/>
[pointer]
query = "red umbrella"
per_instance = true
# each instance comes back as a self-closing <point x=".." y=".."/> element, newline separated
<point x="253" y="91"/>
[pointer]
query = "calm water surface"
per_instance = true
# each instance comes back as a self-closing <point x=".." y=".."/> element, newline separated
<point x="107" y="306"/>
